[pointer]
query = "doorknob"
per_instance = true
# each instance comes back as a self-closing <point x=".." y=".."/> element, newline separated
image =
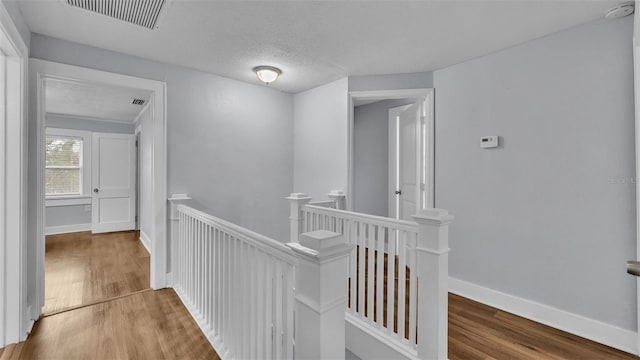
<point x="398" y="192"/>
<point x="96" y="190"/>
<point x="633" y="268"/>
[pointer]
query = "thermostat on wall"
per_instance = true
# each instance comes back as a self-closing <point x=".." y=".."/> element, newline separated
<point x="489" y="142"/>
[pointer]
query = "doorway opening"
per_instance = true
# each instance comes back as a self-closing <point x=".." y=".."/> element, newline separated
<point x="99" y="179"/>
<point x="92" y="251"/>
<point x="391" y="152"/>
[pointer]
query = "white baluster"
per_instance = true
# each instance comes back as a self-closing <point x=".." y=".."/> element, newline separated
<point x="402" y="282"/>
<point x="371" y="272"/>
<point x="269" y="308"/>
<point x="413" y="289"/>
<point x="280" y="294"/>
<point x="361" y="269"/>
<point x="289" y="310"/>
<point x="380" y="277"/>
<point x="353" y="268"/>
<point x="391" y="273"/>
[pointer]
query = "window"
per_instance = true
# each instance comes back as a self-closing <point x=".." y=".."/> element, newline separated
<point x="63" y="165"/>
<point x="67" y="166"/>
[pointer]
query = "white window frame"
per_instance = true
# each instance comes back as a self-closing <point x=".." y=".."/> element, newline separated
<point x="85" y="168"/>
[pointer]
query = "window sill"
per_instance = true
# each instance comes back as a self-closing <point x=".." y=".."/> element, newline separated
<point x="67" y="201"/>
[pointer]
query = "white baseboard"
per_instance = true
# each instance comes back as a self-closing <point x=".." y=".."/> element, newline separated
<point x="62" y="229"/>
<point x="146" y="241"/>
<point x="622" y="339"/>
<point x="30" y="322"/>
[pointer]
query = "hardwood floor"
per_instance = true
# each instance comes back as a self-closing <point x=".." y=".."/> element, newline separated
<point x="147" y="325"/>
<point x="155" y="325"/>
<point x="477" y="331"/>
<point x="81" y="268"/>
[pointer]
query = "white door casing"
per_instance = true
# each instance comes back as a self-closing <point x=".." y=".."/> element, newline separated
<point x="113" y="202"/>
<point x="15" y="317"/>
<point x="636" y="83"/>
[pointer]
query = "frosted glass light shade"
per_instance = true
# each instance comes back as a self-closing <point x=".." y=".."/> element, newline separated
<point x="267" y="74"/>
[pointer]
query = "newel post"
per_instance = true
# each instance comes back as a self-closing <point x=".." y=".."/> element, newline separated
<point x="321" y="296"/>
<point x="339" y="198"/>
<point x="433" y="282"/>
<point x="296" y="202"/>
<point x="174" y="201"/>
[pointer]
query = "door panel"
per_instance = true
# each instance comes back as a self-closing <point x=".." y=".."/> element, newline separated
<point x="113" y="197"/>
<point x="409" y="181"/>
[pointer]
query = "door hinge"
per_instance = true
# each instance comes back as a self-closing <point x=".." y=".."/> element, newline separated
<point x="136" y="143"/>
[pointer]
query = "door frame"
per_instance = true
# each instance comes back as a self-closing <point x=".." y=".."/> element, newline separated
<point x="15" y="319"/>
<point x="423" y="93"/>
<point x="42" y="70"/>
<point x="636" y="83"/>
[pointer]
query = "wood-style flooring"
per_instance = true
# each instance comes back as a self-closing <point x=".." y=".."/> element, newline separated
<point x="81" y="268"/>
<point x="146" y="325"/>
<point x="155" y="325"/>
<point x="477" y="331"/>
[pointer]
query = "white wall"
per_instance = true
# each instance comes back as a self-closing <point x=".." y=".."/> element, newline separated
<point x="549" y="216"/>
<point x="320" y="139"/>
<point x="229" y="143"/>
<point x="371" y="156"/>
<point x="421" y="80"/>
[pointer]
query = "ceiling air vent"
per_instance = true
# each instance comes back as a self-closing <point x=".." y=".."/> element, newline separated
<point x="138" y="101"/>
<point x="145" y="13"/>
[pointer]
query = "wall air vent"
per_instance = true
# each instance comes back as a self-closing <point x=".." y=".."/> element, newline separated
<point x="139" y="101"/>
<point x="145" y="13"/>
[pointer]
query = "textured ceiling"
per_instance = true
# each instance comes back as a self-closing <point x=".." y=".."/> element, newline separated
<point x="93" y="101"/>
<point x="315" y="42"/>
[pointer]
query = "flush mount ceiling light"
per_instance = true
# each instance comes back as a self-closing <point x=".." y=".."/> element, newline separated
<point x="267" y="74"/>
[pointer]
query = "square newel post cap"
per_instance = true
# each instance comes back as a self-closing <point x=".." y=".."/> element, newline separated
<point x="321" y="239"/>
<point x="321" y="245"/>
<point x="175" y="200"/>
<point x="298" y="197"/>
<point x="434" y="217"/>
<point x="178" y="197"/>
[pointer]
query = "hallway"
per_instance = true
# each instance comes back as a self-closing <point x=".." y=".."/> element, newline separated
<point x="82" y="268"/>
<point x="114" y="315"/>
<point x="145" y="325"/>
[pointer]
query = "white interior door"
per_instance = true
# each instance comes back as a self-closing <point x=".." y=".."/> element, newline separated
<point x="405" y="159"/>
<point x="113" y="181"/>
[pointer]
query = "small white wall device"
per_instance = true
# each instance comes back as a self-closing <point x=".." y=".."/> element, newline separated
<point x="489" y="142"/>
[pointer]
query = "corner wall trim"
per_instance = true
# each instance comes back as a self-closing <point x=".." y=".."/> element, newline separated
<point x="622" y="339"/>
<point x="52" y="230"/>
<point x="146" y="241"/>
